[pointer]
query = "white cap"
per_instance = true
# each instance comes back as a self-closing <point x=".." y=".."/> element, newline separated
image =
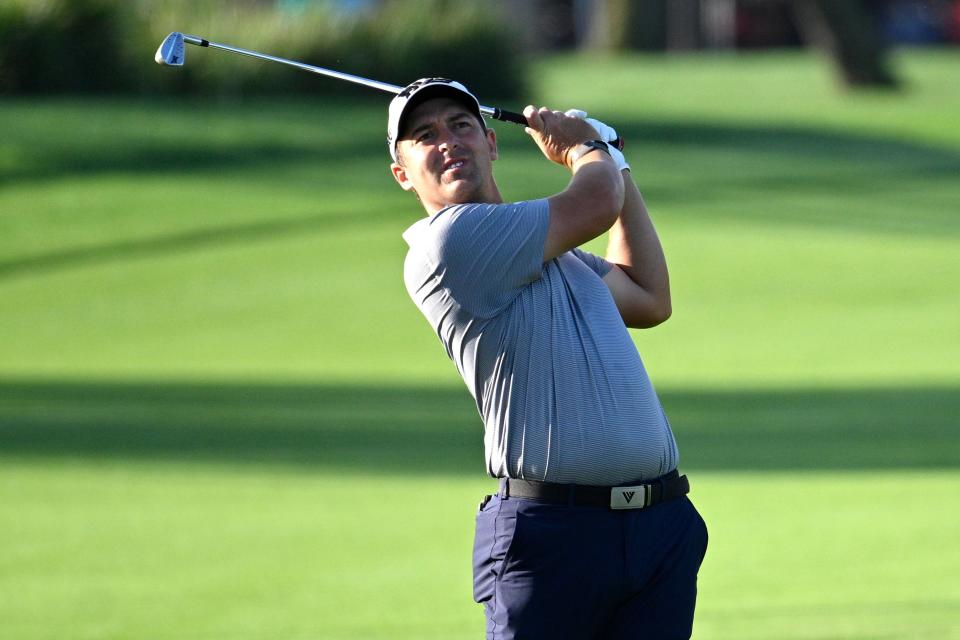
<point x="415" y="93"/>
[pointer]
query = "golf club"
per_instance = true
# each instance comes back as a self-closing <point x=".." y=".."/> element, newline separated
<point x="171" y="53"/>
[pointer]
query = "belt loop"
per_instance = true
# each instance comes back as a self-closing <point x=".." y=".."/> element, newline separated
<point x="571" y="495"/>
<point x="504" y="488"/>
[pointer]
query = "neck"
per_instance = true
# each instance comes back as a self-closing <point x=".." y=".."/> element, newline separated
<point x="492" y="197"/>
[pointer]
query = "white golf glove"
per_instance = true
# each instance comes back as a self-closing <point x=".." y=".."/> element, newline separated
<point x="607" y="134"/>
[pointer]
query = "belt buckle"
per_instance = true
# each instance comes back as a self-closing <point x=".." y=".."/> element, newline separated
<point x="636" y="497"/>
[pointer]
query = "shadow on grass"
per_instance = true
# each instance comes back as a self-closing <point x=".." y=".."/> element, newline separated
<point x="802" y="143"/>
<point x="430" y="430"/>
<point x="51" y="153"/>
<point x="798" y="161"/>
<point x="91" y="137"/>
<point x="193" y="240"/>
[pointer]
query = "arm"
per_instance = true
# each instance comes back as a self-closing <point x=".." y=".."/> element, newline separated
<point x="639" y="281"/>
<point x="594" y="196"/>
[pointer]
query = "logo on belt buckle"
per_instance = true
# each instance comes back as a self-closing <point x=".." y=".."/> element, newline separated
<point x="629" y="497"/>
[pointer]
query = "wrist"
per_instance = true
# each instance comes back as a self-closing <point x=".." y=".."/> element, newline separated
<point x="574" y="154"/>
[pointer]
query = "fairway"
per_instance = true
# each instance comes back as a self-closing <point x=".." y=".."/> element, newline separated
<point x="221" y="416"/>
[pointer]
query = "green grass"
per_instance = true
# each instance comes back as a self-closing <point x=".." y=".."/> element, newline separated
<point x="188" y="551"/>
<point x="220" y="415"/>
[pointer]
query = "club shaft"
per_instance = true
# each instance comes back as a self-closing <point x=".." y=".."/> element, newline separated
<point x="492" y="112"/>
<point x="383" y="86"/>
<point x="171" y="53"/>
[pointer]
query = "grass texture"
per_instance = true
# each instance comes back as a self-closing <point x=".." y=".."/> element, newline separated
<point x="220" y="415"/>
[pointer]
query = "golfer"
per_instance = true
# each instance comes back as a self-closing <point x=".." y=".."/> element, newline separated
<point x="591" y="534"/>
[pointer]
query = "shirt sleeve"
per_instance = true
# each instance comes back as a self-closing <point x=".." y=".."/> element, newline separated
<point x="486" y="253"/>
<point x="599" y="265"/>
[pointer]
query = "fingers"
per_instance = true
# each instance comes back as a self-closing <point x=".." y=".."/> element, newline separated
<point x="549" y="116"/>
<point x="605" y="131"/>
<point x="543" y="119"/>
<point x="532" y="114"/>
<point x="556" y="132"/>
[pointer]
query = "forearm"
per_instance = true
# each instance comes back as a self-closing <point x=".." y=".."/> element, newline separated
<point x="635" y="247"/>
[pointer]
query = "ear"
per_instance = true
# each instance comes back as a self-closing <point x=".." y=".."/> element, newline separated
<point x="400" y="175"/>
<point x="492" y="143"/>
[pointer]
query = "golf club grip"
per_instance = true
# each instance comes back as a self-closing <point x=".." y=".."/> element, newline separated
<point x="509" y="116"/>
<point x="517" y="118"/>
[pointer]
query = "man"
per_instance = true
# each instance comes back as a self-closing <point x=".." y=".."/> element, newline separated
<point x="591" y="534"/>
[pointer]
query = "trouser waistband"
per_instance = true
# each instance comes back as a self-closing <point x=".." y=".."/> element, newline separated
<point x="632" y="496"/>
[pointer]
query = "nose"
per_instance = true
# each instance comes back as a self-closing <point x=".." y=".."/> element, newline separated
<point x="448" y="139"/>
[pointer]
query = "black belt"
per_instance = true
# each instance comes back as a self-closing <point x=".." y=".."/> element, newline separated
<point x="627" y="496"/>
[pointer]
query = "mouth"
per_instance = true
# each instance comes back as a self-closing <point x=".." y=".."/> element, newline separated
<point x="453" y="165"/>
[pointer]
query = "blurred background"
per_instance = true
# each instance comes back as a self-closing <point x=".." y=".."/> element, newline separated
<point x="221" y="416"/>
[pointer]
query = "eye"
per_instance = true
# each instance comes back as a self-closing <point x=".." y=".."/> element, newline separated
<point x="424" y="136"/>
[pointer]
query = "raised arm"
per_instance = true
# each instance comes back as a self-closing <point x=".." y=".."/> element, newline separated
<point x="639" y="280"/>
<point x="594" y="197"/>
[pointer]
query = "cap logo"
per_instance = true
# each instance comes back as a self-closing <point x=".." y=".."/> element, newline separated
<point x="410" y="88"/>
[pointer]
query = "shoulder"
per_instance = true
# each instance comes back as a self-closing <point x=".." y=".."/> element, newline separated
<point x="468" y="216"/>
<point x="466" y="224"/>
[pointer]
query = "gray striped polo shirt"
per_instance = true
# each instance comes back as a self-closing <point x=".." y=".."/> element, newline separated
<point x="557" y="379"/>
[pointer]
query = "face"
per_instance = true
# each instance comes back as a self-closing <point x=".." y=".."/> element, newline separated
<point x="446" y="156"/>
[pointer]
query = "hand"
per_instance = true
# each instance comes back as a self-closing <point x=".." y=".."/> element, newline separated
<point x="557" y="133"/>
<point x="607" y="134"/>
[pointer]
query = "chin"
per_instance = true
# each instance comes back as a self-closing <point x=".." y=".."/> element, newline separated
<point x="463" y="195"/>
<point x="466" y="191"/>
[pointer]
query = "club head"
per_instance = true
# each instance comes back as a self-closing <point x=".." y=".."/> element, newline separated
<point x="171" y="51"/>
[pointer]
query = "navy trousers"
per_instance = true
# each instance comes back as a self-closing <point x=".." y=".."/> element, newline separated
<point x="581" y="573"/>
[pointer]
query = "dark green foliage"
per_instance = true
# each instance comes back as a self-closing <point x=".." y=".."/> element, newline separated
<point x="72" y="46"/>
<point x="410" y="40"/>
<point x="96" y="46"/>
